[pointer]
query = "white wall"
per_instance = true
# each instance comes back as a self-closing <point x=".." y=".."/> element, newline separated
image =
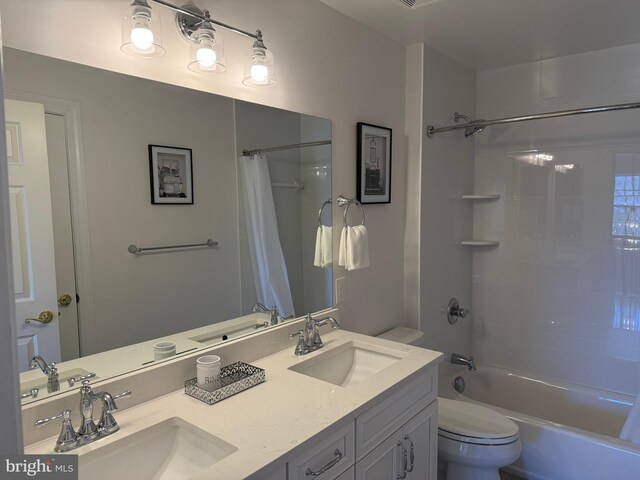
<point x="324" y="68"/>
<point x="445" y="219"/>
<point x="560" y="297"/>
<point x="138" y="298"/>
<point x="315" y="172"/>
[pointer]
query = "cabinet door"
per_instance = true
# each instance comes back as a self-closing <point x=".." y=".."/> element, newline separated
<point x="384" y="462"/>
<point x="420" y="436"/>
<point x="348" y="475"/>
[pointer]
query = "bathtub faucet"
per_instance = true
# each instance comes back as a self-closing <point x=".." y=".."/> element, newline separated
<point x="458" y="359"/>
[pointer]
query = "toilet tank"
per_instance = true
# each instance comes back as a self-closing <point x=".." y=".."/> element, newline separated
<point x="408" y="336"/>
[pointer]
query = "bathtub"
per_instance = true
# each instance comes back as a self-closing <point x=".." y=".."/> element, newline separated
<point x="568" y="432"/>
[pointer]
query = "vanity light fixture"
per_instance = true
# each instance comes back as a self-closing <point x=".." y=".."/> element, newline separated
<point x="207" y="45"/>
<point x="141" y="31"/>
<point x="259" y="67"/>
<point x="207" y="48"/>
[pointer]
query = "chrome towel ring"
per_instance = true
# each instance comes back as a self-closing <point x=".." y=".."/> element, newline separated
<point x="327" y="202"/>
<point x="344" y="202"/>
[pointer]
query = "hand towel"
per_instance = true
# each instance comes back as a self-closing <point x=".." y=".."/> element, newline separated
<point x="631" y="428"/>
<point x="354" y="248"/>
<point x="324" y="240"/>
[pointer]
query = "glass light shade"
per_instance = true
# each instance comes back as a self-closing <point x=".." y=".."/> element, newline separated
<point x="207" y="51"/>
<point x="141" y="32"/>
<point x="259" y="68"/>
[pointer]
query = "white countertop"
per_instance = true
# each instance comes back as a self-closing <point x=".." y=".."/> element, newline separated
<point x="269" y="420"/>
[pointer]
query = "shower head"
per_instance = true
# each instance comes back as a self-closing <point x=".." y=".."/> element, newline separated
<point x="471" y="131"/>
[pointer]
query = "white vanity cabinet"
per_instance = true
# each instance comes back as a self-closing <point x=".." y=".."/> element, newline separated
<point x="410" y="453"/>
<point x="411" y="450"/>
<point x="373" y="446"/>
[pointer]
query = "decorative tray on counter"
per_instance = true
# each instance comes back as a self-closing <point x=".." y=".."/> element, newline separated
<point x="234" y="379"/>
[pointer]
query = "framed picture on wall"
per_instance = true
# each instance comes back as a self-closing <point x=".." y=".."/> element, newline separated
<point x="374" y="164"/>
<point x="171" y="173"/>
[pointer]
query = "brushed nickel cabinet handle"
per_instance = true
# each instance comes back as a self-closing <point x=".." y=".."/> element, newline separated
<point x="339" y="456"/>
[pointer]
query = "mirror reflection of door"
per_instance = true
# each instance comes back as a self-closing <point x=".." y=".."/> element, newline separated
<point x="39" y="207"/>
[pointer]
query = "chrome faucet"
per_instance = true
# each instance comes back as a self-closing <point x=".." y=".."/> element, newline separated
<point x="258" y="307"/>
<point x="309" y="337"/>
<point x="273" y="311"/>
<point x="88" y="432"/>
<point x="50" y="370"/>
<point x="458" y="359"/>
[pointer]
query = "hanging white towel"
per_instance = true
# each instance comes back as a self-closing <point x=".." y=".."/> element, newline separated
<point x="324" y="240"/>
<point x="354" y="248"/>
<point x="631" y="428"/>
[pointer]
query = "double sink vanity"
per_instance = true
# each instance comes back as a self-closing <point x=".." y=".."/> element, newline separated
<point x="359" y="408"/>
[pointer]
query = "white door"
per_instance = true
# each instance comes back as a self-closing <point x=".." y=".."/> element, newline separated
<point x="31" y="232"/>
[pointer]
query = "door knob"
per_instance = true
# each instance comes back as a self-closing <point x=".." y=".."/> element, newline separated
<point x="64" y="299"/>
<point x="44" y="317"/>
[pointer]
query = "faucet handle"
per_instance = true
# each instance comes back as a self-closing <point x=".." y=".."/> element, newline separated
<point x="66" y="414"/>
<point x="301" y="347"/>
<point x="73" y="380"/>
<point x="68" y="438"/>
<point x="126" y="393"/>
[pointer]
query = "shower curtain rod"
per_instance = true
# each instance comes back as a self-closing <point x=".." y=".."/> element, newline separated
<point x="479" y="124"/>
<point x="258" y="151"/>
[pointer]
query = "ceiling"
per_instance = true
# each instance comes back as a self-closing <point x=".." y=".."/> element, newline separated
<point x="486" y="34"/>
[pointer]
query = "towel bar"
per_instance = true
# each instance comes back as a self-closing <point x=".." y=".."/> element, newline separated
<point x="133" y="249"/>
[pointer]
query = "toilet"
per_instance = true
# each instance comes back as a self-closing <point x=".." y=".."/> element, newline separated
<point x="474" y="442"/>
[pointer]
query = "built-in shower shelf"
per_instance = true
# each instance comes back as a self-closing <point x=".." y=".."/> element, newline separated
<point x="480" y="243"/>
<point x="481" y="197"/>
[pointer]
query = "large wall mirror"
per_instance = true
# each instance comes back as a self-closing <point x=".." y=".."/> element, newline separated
<point x="82" y="177"/>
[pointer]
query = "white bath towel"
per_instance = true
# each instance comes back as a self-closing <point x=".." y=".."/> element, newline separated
<point x="631" y="428"/>
<point x="324" y="241"/>
<point x="354" y="248"/>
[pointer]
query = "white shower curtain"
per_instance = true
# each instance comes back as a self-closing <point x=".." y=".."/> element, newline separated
<point x="269" y="268"/>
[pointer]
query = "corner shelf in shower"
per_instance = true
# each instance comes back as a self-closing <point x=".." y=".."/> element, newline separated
<point x="480" y="243"/>
<point x="480" y="197"/>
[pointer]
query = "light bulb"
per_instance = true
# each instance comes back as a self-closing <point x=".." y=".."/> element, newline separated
<point x="142" y="37"/>
<point x="259" y="73"/>
<point x="206" y="57"/>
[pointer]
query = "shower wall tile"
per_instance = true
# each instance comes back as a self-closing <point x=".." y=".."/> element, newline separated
<point x="445" y="219"/>
<point x="560" y="296"/>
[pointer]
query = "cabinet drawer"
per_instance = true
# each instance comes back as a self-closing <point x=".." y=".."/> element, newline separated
<point x="380" y="421"/>
<point x="325" y="455"/>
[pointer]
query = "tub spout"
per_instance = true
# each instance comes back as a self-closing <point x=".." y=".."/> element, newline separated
<point x="458" y="359"/>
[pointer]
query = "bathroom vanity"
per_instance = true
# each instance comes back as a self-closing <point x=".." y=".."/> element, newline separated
<point x="359" y="408"/>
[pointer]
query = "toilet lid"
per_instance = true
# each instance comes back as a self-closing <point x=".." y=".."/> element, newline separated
<point x="473" y="421"/>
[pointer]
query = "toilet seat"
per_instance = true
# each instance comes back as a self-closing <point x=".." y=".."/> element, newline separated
<point x="469" y="423"/>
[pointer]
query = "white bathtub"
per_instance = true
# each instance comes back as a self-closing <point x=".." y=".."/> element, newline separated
<point x="568" y="432"/>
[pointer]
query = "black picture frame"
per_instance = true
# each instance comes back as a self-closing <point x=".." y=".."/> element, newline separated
<point x="375" y="145"/>
<point x="171" y="175"/>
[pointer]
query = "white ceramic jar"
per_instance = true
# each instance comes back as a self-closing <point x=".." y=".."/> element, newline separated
<point x="208" y="370"/>
<point x="162" y="350"/>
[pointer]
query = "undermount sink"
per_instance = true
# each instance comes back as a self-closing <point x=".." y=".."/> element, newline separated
<point x="170" y="450"/>
<point x="349" y="364"/>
